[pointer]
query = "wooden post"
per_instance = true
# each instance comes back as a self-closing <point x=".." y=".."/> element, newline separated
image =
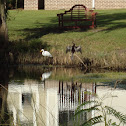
<point x="62" y="19"/>
<point x="59" y="21"/>
<point x="95" y="20"/>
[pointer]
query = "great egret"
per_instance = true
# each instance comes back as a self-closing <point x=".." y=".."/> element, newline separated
<point x="73" y="49"/>
<point x="45" y="53"/>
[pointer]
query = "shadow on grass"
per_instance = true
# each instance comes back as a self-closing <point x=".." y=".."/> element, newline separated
<point x="106" y="21"/>
<point x="44" y="29"/>
<point x="112" y="21"/>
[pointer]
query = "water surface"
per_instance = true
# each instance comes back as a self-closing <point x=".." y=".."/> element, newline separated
<point x="46" y="96"/>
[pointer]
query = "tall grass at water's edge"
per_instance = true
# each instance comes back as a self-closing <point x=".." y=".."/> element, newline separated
<point x="102" y="47"/>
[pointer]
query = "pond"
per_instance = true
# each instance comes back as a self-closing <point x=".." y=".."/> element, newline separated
<point x="35" y="95"/>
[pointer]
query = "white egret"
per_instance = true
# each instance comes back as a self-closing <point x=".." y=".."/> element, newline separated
<point x="45" y="53"/>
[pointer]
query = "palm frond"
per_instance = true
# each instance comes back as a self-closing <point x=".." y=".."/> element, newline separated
<point x="93" y="121"/>
<point x="110" y="123"/>
<point x="87" y="109"/>
<point x="116" y="114"/>
<point x="86" y="103"/>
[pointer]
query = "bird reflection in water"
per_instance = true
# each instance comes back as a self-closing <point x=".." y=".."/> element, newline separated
<point x="45" y="75"/>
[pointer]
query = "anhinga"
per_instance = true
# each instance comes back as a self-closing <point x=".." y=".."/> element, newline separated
<point x="73" y="49"/>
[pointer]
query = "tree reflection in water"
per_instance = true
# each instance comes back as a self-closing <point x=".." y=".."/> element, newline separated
<point x="4" y="78"/>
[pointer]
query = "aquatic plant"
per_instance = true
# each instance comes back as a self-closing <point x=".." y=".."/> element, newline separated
<point x="102" y="113"/>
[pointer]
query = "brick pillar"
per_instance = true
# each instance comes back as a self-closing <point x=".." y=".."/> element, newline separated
<point x="30" y="4"/>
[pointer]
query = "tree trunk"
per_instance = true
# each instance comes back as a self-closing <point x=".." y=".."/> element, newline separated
<point x="3" y="33"/>
<point x="16" y="4"/>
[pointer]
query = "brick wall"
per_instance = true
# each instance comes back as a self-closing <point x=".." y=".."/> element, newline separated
<point x="30" y="4"/>
<point x="67" y="4"/>
<point x="110" y="4"/>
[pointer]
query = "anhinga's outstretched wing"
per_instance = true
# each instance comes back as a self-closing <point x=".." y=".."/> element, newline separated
<point x="78" y="49"/>
<point x="68" y="49"/>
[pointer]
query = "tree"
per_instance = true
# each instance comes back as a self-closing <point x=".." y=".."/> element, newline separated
<point x="16" y="4"/>
<point x="3" y="33"/>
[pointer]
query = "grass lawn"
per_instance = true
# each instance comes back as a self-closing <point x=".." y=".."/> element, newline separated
<point x="29" y="31"/>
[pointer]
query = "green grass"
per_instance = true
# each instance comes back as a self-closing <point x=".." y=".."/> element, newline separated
<point x="107" y="77"/>
<point x="23" y="24"/>
<point x="31" y="30"/>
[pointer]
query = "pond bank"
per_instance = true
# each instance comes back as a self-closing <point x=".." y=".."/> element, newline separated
<point x="114" y="60"/>
<point x="102" y="47"/>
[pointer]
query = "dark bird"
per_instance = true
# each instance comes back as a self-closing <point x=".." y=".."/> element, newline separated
<point x="73" y="49"/>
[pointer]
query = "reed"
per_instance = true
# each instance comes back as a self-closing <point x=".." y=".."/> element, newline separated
<point x="114" y="60"/>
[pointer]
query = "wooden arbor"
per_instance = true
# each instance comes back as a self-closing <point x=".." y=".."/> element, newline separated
<point x="79" y="16"/>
